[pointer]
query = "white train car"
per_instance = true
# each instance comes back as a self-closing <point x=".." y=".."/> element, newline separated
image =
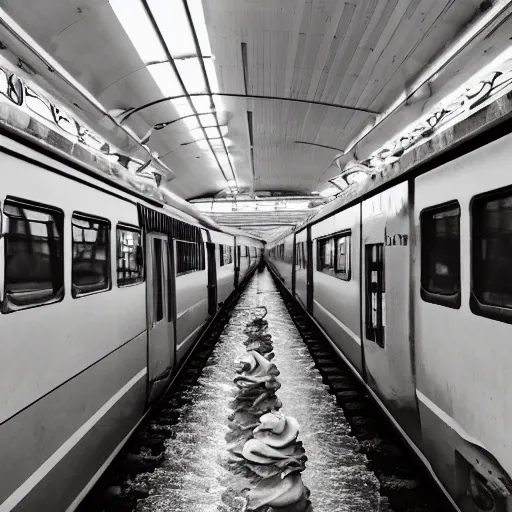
<point x="225" y="260"/>
<point x="463" y="315"/>
<point x="103" y="295"/>
<point x="412" y="285"/>
<point x="303" y="250"/>
<point x="336" y="281"/>
<point x="280" y="255"/>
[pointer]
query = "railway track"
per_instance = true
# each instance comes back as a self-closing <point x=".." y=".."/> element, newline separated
<point x="116" y="490"/>
<point x="402" y="477"/>
<point x="405" y="484"/>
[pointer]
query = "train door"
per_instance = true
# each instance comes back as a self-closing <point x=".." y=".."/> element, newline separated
<point x="294" y="263"/>
<point x="236" y="261"/>
<point x="159" y="317"/>
<point x="309" y="269"/>
<point x="386" y="308"/>
<point x="212" y="278"/>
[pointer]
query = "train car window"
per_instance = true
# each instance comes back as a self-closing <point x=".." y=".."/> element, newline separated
<point x="333" y="255"/>
<point x="90" y="268"/>
<point x="342" y="254"/>
<point x="440" y="254"/>
<point x="288" y="254"/>
<point x="129" y="256"/>
<point x="325" y="251"/>
<point x="189" y="257"/>
<point x="34" y="263"/>
<point x="304" y="251"/>
<point x="298" y="256"/>
<point x="491" y="269"/>
<point x="158" y="295"/>
<point x="375" y="293"/>
<point x="226" y="254"/>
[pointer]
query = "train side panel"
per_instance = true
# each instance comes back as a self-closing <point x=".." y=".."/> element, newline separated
<point x="226" y="272"/>
<point x="336" y="299"/>
<point x="386" y="304"/>
<point x="55" y="357"/>
<point x="301" y="277"/>
<point x="283" y="262"/>
<point x="191" y="309"/>
<point x="463" y="355"/>
<point x="249" y="255"/>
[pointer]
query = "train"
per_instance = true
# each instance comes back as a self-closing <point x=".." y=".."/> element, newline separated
<point x="103" y="296"/>
<point x="411" y="283"/>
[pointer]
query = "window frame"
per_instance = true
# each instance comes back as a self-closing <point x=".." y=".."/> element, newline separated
<point x="448" y="300"/>
<point x="300" y="256"/>
<point x="331" y="271"/>
<point x="202" y="256"/>
<point x="88" y="216"/>
<point x="223" y="252"/>
<point x="493" y="312"/>
<point x="221" y="255"/>
<point x="44" y="208"/>
<point x="135" y="229"/>
<point x="375" y="333"/>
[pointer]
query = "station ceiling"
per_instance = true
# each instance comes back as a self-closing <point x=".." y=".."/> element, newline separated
<point x="265" y="94"/>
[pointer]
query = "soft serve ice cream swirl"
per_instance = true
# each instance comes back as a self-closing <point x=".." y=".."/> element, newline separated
<point x="276" y="455"/>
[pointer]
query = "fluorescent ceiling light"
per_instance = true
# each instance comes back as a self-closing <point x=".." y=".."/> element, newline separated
<point x="209" y="64"/>
<point x="136" y="23"/>
<point x="202" y="103"/>
<point x="166" y="79"/>
<point x="211" y="132"/>
<point x="207" y="119"/>
<point x="315" y="192"/>
<point x="203" y="144"/>
<point x="197" y="132"/>
<point x="216" y="143"/>
<point x="329" y="191"/>
<point x="191" y="74"/>
<point x="182" y="107"/>
<point x="222" y="207"/>
<point x="223" y="160"/>
<point x="196" y="11"/>
<point x="193" y="126"/>
<point x="173" y="23"/>
<point x="297" y="205"/>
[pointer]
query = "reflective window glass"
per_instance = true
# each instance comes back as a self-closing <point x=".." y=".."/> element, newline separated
<point x="90" y="268"/>
<point x="34" y="264"/>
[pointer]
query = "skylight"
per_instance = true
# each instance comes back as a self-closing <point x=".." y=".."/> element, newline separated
<point x="173" y="36"/>
<point x="138" y="26"/>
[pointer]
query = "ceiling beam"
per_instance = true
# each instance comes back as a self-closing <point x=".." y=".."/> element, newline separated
<point x="132" y="111"/>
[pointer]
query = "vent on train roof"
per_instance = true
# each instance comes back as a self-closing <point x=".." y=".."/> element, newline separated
<point x="152" y="220"/>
